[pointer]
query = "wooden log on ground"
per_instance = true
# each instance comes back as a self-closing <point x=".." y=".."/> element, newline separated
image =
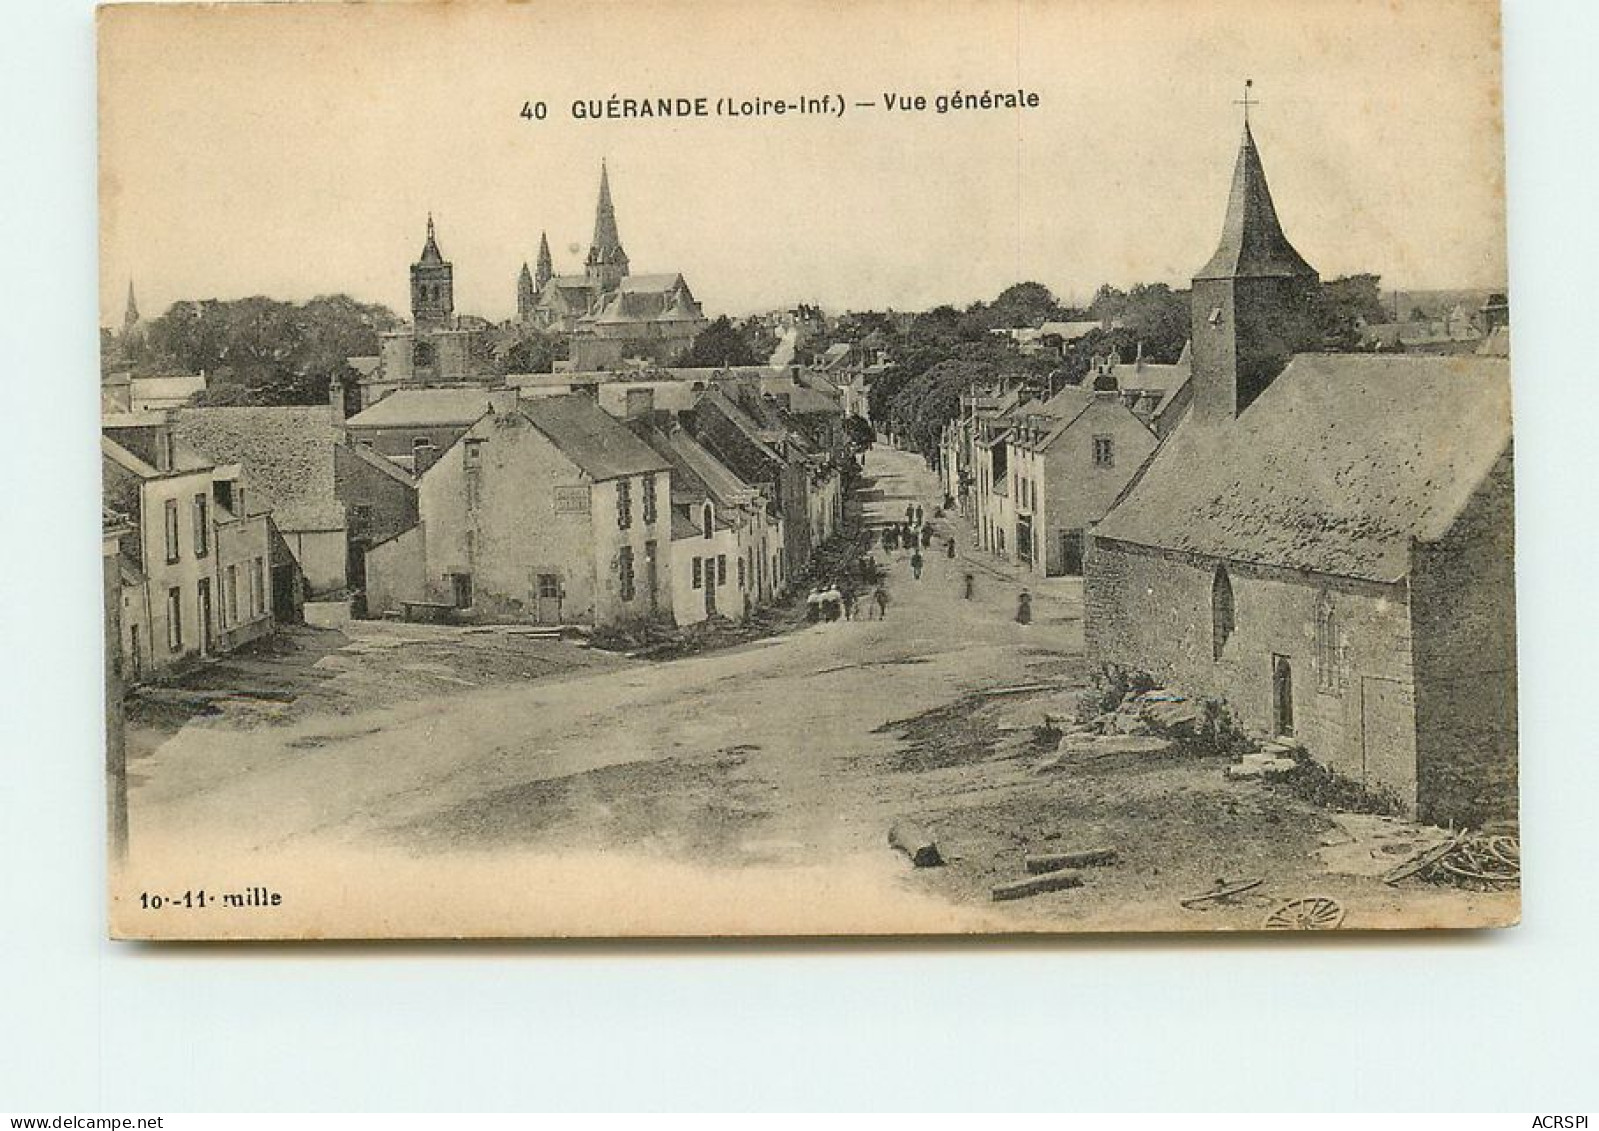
<point x="1055" y="861"/>
<point x="1036" y="885"/>
<point x="916" y="842"/>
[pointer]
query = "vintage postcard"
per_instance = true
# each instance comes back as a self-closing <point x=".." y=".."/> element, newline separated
<point x="806" y="468"/>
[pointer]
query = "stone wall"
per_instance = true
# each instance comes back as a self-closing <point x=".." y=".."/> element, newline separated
<point x="1353" y="701"/>
<point x="1463" y="612"/>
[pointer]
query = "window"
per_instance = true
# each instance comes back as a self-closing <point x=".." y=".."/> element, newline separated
<point x="649" y="500"/>
<point x="472" y="454"/>
<point x="1215" y="316"/>
<point x="257" y="587"/>
<point x="174" y="619"/>
<point x="705" y="520"/>
<point x="1221" y="612"/>
<point x="721" y="569"/>
<point x="625" y="567"/>
<point x="743" y="576"/>
<point x="624" y="504"/>
<point x="549" y="586"/>
<point x="360" y="520"/>
<point x="202" y="525"/>
<point x="699" y="566"/>
<point x="230" y="594"/>
<point x="172" y="530"/>
<point x="422" y="355"/>
<point x="1329" y="656"/>
<point x="1104" y="452"/>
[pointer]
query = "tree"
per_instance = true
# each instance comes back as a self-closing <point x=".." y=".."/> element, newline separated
<point x="720" y="344"/>
<point x="1023" y="304"/>
<point x="1342" y="305"/>
<point x="258" y="350"/>
<point x="860" y="432"/>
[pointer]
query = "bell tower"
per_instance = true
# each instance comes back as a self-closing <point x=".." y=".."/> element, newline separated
<point x="432" y="286"/>
<point x="1253" y="304"/>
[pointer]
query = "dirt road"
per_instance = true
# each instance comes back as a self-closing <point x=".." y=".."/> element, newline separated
<point x="745" y="790"/>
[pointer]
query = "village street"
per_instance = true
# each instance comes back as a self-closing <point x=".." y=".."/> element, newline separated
<point x="745" y="789"/>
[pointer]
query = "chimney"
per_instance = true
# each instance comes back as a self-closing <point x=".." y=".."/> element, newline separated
<point x="336" y="400"/>
<point x="640" y="404"/>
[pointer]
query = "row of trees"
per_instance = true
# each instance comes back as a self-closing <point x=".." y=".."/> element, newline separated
<point x="941" y="353"/>
<point x="255" y="350"/>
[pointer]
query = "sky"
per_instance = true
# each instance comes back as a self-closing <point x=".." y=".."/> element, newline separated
<point x="296" y="150"/>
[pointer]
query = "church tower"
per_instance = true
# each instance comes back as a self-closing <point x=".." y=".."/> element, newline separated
<point x="130" y="314"/>
<point x="525" y="295"/>
<point x="545" y="269"/>
<point x="607" y="262"/>
<point x="1253" y="303"/>
<point x="432" y="286"/>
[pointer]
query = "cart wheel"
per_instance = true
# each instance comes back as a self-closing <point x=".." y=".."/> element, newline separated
<point x="1312" y="913"/>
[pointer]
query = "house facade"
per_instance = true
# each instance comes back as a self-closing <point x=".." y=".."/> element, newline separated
<point x="194" y="565"/>
<point x="544" y="510"/>
<point x="287" y="454"/>
<point x="1068" y="463"/>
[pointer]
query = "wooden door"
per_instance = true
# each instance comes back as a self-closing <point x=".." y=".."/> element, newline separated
<point x="205" y="616"/>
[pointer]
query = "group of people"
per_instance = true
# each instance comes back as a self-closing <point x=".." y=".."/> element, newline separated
<point x="834" y="601"/>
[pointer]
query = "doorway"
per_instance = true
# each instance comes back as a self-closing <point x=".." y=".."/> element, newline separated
<point x="1071" y="553"/>
<point x="1282" y="696"/>
<point x="547" y="598"/>
<point x="710" y="587"/>
<point x="205" y="616"/>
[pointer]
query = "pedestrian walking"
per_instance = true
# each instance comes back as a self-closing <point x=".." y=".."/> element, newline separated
<point x="890" y="537"/>
<point x="916" y="564"/>
<point x="880" y="598"/>
<point x="849" y="602"/>
<point x="970" y="585"/>
<point x="918" y="514"/>
<point x="1024" y="608"/>
<point x="927" y="537"/>
<point x="949" y="547"/>
<point x="910" y="513"/>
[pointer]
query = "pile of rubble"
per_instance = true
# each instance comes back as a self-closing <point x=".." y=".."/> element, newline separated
<point x="1144" y="724"/>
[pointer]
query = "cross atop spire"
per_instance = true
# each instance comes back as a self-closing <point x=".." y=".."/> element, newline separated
<point x="1246" y="102"/>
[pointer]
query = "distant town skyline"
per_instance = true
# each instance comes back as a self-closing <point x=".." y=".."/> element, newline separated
<point x="236" y="175"/>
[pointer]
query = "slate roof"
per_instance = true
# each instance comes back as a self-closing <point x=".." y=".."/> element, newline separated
<point x="649" y="284"/>
<point x="286" y="453"/>
<point x="1335" y="468"/>
<point x="590" y="437"/>
<point x="420" y="408"/>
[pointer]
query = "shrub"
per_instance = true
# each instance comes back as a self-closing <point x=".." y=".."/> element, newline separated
<point x="1321" y="785"/>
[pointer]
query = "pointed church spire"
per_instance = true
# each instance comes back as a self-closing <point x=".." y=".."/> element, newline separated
<point x="130" y="314"/>
<point x="430" y="250"/>
<point x="605" y="236"/>
<point x="525" y="295"/>
<point x="607" y="262"/>
<point x="546" y="266"/>
<point x="1252" y="242"/>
